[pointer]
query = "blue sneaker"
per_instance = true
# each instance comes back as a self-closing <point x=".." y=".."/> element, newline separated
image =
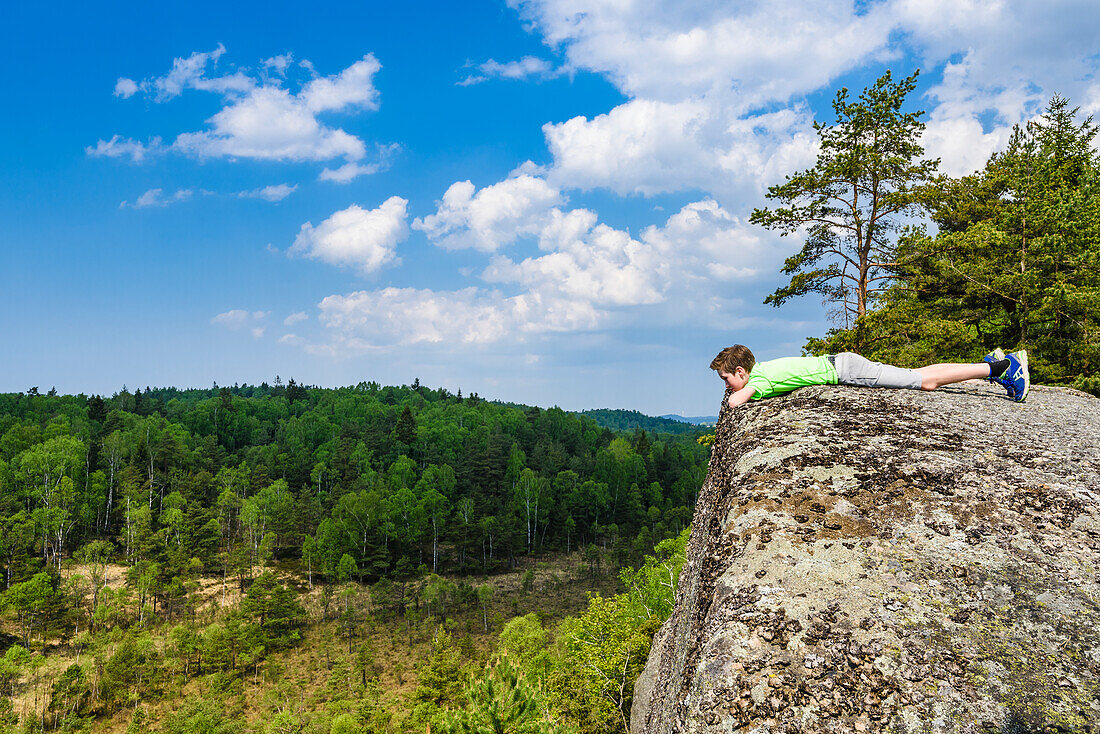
<point x="1016" y="379"/>
<point x="995" y="356"/>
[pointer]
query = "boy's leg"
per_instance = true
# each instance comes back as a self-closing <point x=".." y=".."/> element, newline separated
<point x="853" y="369"/>
<point x="1012" y="371"/>
<point x="938" y="375"/>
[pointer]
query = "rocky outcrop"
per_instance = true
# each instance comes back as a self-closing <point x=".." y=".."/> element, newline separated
<point x="889" y="561"/>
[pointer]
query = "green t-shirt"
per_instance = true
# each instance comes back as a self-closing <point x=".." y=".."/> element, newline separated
<point x="778" y="376"/>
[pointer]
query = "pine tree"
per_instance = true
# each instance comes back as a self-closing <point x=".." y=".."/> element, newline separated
<point x="502" y="701"/>
<point x="405" y="431"/>
<point x="868" y="176"/>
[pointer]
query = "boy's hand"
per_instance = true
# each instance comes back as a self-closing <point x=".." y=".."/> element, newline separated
<point x="741" y="397"/>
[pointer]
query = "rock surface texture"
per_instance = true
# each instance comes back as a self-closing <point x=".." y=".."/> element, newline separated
<point x="889" y="561"/>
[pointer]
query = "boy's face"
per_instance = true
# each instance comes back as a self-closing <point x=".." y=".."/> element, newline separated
<point x="736" y="379"/>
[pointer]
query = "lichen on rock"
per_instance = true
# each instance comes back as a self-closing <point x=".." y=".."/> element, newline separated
<point x="889" y="561"/>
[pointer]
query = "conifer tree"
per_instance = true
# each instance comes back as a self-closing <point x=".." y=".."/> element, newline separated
<point x="868" y="176"/>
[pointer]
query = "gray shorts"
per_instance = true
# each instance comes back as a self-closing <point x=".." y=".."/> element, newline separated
<point x="852" y="369"/>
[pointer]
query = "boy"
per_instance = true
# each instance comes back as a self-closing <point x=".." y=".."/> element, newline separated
<point x="751" y="381"/>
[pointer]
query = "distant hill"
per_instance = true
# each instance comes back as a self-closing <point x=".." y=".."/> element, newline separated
<point x="698" y="420"/>
<point x="629" y="420"/>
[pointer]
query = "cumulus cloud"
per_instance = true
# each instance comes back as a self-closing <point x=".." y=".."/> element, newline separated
<point x="157" y="198"/>
<point x="649" y="147"/>
<point x="352" y="87"/>
<point x="703" y="79"/>
<point x="755" y="51"/>
<point x="714" y="91"/>
<point x="527" y="67"/>
<point x="275" y="192"/>
<point x="238" y="319"/>
<point x="126" y="88"/>
<point x="588" y="276"/>
<point x="270" y="123"/>
<point x="400" y="316"/>
<point x="364" y="239"/>
<point x="295" y="318"/>
<point x="261" y="117"/>
<point x="687" y="259"/>
<point x="491" y="218"/>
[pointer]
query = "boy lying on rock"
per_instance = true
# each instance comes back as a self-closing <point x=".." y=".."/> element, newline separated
<point x="750" y="380"/>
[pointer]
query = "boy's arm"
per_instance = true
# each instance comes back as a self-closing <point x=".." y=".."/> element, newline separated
<point x="742" y="396"/>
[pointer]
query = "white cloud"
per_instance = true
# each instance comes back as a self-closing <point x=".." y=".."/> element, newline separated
<point x="491" y="218"/>
<point x="352" y="170"/>
<point x="754" y="51"/>
<point x="187" y="73"/>
<point x="649" y="147"/>
<point x="279" y="64"/>
<point x="348" y="172"/>
<point x="294" y="318"/>
<point x="270" y="124"/>
<point x="238" y="319"/>
<point x="126" y="88"/>
<point x="365" y="239"/>
<point x="407" y="316"/>
<point x="591" y="276"/>
<point x="292" y="339"/>
<point x="399" y="316"/>
<point x="687" y="259"/>
<point x="257" y="332"/>
<point x="276" y="192"/>
<point x="1001" y="63"/>
<point x="352" y="87"/>
<point x="157" y="198"/>
<point x="119" y="147"/>
<point x="261" y="118"/>
<point x="528" y="66"/>
<point x="698" y="74"/>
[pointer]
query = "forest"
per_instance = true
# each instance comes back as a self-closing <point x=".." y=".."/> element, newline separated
<point x="159" y="538"/>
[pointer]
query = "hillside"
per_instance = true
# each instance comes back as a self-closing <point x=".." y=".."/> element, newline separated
<point x="632" y="420"/>
<point x="290" y="551"/>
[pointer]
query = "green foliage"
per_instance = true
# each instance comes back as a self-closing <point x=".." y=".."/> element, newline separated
<point x="346" y="569"/>
<point x="275" y="609"/>
<point x="201" y="716"/>
<point x="32" y="602"/>
<point x="130" y="674"/>
<point x="1015" y="262"/>
<point x="68" y="697"/>
<point x="501" y="701"/>
<point x="525" y="641"/>
<point x="439" y="680"/>
<point x="601" y="652"/>
<point x="631" y="420"/>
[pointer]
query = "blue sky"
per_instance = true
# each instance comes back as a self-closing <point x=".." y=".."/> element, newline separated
<point x="543" y="202"/>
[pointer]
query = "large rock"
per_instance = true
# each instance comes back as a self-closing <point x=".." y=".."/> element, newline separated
<point x="889" y="561"/>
